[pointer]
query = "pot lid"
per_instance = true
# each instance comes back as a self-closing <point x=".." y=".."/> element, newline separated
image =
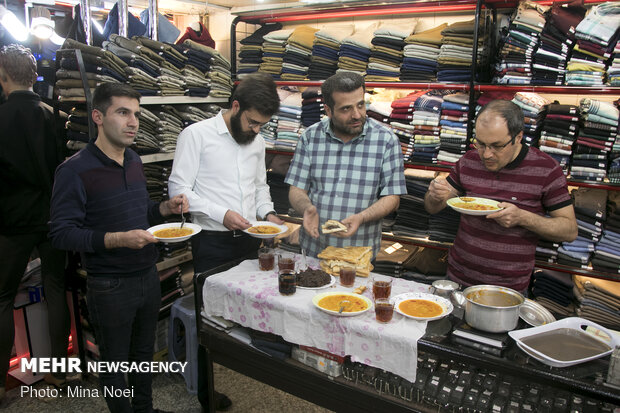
<point x="535" y="314"/>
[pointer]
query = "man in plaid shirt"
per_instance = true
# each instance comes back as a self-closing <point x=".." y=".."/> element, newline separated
<point x="348" y="168"/>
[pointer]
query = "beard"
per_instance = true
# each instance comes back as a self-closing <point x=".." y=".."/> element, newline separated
<point x="346" y="129"/>
<point x="239" y="135"/>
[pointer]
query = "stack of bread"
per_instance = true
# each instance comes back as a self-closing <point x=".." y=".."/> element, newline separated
<point x="332" y="258"/>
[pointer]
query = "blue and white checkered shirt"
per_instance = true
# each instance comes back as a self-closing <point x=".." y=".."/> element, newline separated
<point x="343" y="179"/>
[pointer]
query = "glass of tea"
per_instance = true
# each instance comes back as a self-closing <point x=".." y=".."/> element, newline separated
<point x="266" y="259"/>
<point x="286" y="261"/>
<point x="381" y="287"/>
<point x="384" y="310"/>
<point x="347" y="275"/>
<point x="287" y="282"/>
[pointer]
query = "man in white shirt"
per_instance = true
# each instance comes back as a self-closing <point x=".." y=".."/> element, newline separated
<point x="219" y="165"/>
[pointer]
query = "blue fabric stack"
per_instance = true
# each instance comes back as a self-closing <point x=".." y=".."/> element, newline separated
<point x="386" y="55"/>
<point x="453" y="135"/>
<point x="426" y="116"/>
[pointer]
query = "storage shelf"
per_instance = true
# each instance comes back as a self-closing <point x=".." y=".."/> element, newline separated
<point x="174" y="100"/>
<point x="157" y="157"/>
<point x="576" y="90"/>
<point x="171" y="262"/>
<point x="389" y="85"/>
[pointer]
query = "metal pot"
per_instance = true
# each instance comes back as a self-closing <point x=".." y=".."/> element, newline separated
<point x="490" y="307"/>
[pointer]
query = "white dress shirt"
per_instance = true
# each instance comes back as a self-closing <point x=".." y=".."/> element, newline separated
<point x="217" y="174"/>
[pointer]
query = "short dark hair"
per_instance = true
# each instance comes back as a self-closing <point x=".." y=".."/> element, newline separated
<point x="19" y="64"/>
<point x="341" y="82"/>
<point x="102" y="98"/>
<point x="257" y="91"/>
<point x="507" y="110"/>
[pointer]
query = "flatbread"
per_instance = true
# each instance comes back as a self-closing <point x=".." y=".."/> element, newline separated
<point x="331" y="226"/>
<point x="332" y="258"/>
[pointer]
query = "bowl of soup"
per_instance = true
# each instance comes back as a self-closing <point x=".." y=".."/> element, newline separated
<point x="172" y="231"/>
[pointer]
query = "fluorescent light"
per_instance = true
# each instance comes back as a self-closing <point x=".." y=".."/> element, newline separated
<point x="97" y="26"/>
<point x="56" y="39"/>
<point x="41" y="24"/>
<point x="13" y="25"/>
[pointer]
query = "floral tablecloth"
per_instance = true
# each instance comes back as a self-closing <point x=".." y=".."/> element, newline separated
<point x="250" y="297"/>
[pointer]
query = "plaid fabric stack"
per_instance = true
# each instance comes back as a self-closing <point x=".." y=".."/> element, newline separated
<point x="533" y="106"/>
<point x="559" y="132"/>
<point x="453" y="122"/>
<point x="597" y="35"/>
<point x="426" y="117"/>
<point x="400" y="118"/>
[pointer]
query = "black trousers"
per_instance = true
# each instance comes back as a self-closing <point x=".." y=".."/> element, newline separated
<point x="15" y="251"/>
<point x="211" y="249"/>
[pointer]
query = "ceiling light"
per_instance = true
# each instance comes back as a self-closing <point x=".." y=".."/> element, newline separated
<point x="56" y="39"/>
<point x="12" y="24"/>
<point x="41" y="24"/>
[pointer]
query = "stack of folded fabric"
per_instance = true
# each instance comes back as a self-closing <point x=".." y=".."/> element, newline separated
<point x="558" y="132"/>
<point x="613" y="71"/>
<point x="518" y="44"/>
<point x="590" y="210"/>
<point x="411" y="217"/>
<point x="420" y="55"/>
<point x="554" y="291"/>
<point x="289" y="122"/>
<point x="547" y="251"/>
<point x="100" y="66"/>
<point x="77" y="126"/>
<point x="312" y="106"/>
<point x="251" y="50"/>
<point x="355" y="51"/>
<point x="296" y="59"/>
<point x="278" y="190"/>
<point x="400" y="118"/>
<point x="390" y="261"/>
<point x="386" y="54"/>
<point x="556" y="40"/>
<point x="168" y="126"/>
<point x="269" y="132"/>
<point x="533" y="106"/>
<point x="219" y="73"/>
<point x="487" y="97"/>
<point x="453" y="135"/>
<point x="324" y="59"/>
<point x="147" y="139"/>
<point x="596" y="137"/>
<point x="606" y="254"/>
<point x="455" y="55"/>
<point x="191" y="114"/>
<point x="442" y="227"/>
<point x="157" y="175"/>
<point x="597" y="35"/>
<point x="380" y="111"/>
<point x="426" y="117"/>
<point x="599" y="300"/>
<point x="273" y="52"/>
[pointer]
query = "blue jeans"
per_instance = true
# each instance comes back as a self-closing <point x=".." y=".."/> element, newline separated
<point x="123" y="312"/>
<point x="14" y="253"/>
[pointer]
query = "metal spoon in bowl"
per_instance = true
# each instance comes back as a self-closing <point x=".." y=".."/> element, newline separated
<point x="343" y="305"/>
<point x="182" y="220"/>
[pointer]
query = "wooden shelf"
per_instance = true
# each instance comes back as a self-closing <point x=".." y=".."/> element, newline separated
<point x="157" y="157"/>
<point x="171" y="262"/>
<point x="174" y="100"/>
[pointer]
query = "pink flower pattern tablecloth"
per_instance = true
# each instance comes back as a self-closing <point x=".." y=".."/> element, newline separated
<point x="250" y="297"/>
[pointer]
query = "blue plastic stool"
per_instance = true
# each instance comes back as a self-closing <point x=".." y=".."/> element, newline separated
<point x="183" y="340"/>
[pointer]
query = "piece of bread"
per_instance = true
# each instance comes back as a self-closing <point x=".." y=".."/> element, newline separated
<point x="332" y="258"/>
<point x="331" y="226"/>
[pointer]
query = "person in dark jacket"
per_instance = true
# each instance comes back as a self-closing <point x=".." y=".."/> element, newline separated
<point x="101" y="208"/>
<point x="28" y="156"/>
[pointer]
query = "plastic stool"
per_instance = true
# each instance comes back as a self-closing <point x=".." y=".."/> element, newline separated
<point x="183" y="340"/>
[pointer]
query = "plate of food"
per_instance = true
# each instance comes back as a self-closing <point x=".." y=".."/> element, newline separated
<point x="471" y="205"/>
<point x="314" y="279"/>
<point x="333" y="301"/>
<point x="422" y="306"/>
<point x="172" y="231"/>
<point x="265" y="229"/>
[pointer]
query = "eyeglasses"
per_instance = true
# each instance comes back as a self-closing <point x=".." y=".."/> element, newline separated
<point x="493" y="148"/>
<point x="252" y="123"/>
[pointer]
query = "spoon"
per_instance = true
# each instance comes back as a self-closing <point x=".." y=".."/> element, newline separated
<point x="343" y="305"/>
<point x="182" y="220"/>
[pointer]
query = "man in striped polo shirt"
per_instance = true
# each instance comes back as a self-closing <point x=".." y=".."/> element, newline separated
<point x="500" y="248"/>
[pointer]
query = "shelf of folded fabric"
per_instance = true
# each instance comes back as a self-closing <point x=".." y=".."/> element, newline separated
<point x="157" y="157"/>
<point x="173" y="100"/>
<point x="371" y="9"/>
<point x="389" y="85"/>
<point x="572" y="90"/>
<point x="171" y="262"/>
<point x="586" y="272"/>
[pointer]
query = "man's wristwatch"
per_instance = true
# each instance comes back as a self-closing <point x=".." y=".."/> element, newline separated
<point x="269" y="213"/>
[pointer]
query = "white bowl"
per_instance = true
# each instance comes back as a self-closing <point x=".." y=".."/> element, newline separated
<point x="281" y="229"/>
<point x="319" y="297"/>
<point x="446" y="305"/>
<point x="195" y="230"/>
<point x="452" y="202"/>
